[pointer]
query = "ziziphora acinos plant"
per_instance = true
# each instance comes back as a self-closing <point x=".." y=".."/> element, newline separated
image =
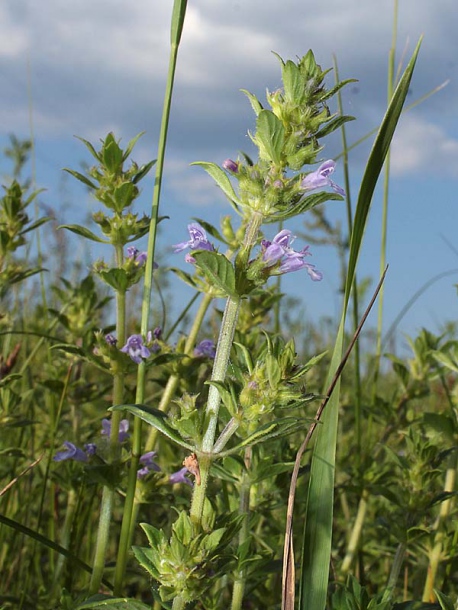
<point x="273" y="189"/>
<point x="115" y="186"/>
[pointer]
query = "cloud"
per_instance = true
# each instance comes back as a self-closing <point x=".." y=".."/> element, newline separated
<point x="422" y="147"/>
<point x="101" y="65"/>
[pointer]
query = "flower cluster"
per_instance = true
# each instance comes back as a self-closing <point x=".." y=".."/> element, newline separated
<point x="72" y="452"/>
<point x="279" y="254"/>
<point x="197" y="241"/>
<point x="320" y="178"/>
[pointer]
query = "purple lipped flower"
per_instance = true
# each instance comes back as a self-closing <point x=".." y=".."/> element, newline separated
<point x="198" y="239"/>
<point x="111" y="340"/>
<point x="135" y="349"/>
<point x="320" y="178"/>
<point x="230" y="166"/>
<point x="179" y="477"/>
<point x="72" y="452"/>
<point x="132" y="252"/>
<point x="148" y="464"/>
<point x="123" y="429"/>
<point x="157" y="332"/>
<point x="139" y="257"/>
<point x="90" y="449"/>
<point x="205" y="349"/>
<point x="280" y="250"/>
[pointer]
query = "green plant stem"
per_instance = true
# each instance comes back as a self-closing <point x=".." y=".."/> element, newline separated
<point x="221" y="362"/>
<point x="179" y="11"/>
<point x="172" y="383"/>
<point x="106" y="506"/>
<point x="395" y="571"/>
<point x="436" y="552"/>
<point x="355" y="309"/>
<point x="244" y="509"/>
<point x="386" y="182"/>
<point x="64" y="540"/>
<point x="355" y="536"/>
<point x="223" y="350"/>
<point x="102" y="540"/>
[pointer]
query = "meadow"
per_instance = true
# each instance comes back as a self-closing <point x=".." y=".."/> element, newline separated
<point x="233" y="455"/>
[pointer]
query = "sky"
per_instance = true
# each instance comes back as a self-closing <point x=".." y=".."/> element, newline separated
<point x="93" y="66"/>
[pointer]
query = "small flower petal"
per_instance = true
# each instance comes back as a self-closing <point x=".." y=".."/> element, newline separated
<point x="72" y="452"/>
<point x="230" y="166"/>
<point x="179" y="477"/>
<point x="135" y="349"/>
<point x="321" y="178"/>
<point x="205" y="349"/>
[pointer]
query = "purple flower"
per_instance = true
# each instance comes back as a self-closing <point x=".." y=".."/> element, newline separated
<point x="135" y="349"/>
<point x="230" y="166"/>
<point x="132" y="252"/>
<point x="157" y="332"/>
<point x="198" y="239"/>
<point x="70" y="453"/>
<point x="205" y="349"/>
<point x="90" y="448"/>
<point x="179" y="477"/>
<point x="111" y="340"/>
<point x="279" y="250"/>
<point x="137" y="256"/>
<point x="320" y="178"/>
<point x="149" y="465"/>
<point x="123" y="429"/>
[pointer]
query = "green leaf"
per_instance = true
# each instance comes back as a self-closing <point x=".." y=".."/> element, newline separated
<point x="81" y="177"/>
<point x="293" y="82"/>
<point x="35" y="225"/>
<point x="307" y="203"/>
<point x="332" y="125"/>
<point x="116" y="278"/>
<point x="316" y="546"/>
<point x="124" y="195"/>
<point x="211" y="230"/>
<point x="130" y="146"/>
<point x="217" y="269"/>
<point x="91" y="149"/>
<point x="270" y="136"/>
<point x="79" y="230"/>
<point x="222" y="180"/>
<point x="142" y="172"/>
<point x="154" y="418"/>
<point x="275" y="429"/>
<point x="178" y="15"/>
<point x="185" y="277"/>
<point x="112" y="154"/>
<point x="112" y="603"/>
<point x="255" y="103"/>
<point x="50" y="544"/>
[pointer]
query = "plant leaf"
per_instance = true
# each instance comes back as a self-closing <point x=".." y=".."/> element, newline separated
<point x="154" y="418"/>
<point x="316" y="546"/>
<point x="79" y="230"/>
<point x="217" y="269"/>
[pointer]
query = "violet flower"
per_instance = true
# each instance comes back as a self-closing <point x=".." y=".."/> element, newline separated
<point x="230" y="166"/>
<point x="179" y="477"/>
<point x="138" y="257"/>
<point x="205" y="349"/>
<point x="72" y="452"/>
<point x="320" y="178"/>
<point x="279" y="250"/>
<point x="111" y="340"/>
<point x="123" y="429"/>
<point x="135" y="349"/>
<point x="198" y="239"/>
<point x="148" y="464"/>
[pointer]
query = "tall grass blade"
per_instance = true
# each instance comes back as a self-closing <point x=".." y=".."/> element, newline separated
<point x="316" y="545"/>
